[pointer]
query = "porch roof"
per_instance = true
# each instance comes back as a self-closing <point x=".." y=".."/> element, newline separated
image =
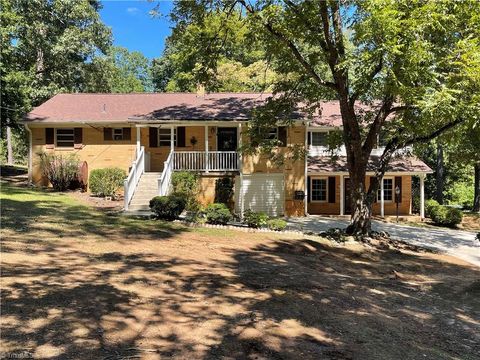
<point x="327" y="164"/>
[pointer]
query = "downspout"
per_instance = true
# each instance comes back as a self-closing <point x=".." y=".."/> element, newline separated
<point x="30" y="154"/>
<point x="305" y="198"/>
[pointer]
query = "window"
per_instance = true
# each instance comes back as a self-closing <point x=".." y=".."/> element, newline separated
<point x="118" y="134"/>
<point x="319" y="138"/>
<point x="65" y="137"/>
<point x="387" y="190"/>
<point x="272" y="134"/>
<point x="319" y="190"/>
<point x="164" y="137"/>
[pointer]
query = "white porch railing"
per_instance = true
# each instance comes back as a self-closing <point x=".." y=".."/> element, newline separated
<point x="131" y="182"/>
<point x="165" y="178"/>
<point x="205" y="161"/>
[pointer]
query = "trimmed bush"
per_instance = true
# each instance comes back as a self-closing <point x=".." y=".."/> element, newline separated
<point x="187" y="184"/>
<point x="446" y="216"/>
<point x="61" y="171"/>
<point x="255" y="219"/>
<point x="429" y="206"/>
<point x="277" y="224"/>
<point x="218" y="214"/>
<point x="224" y="190"/>
<point x="107" y="181"/>
<point x="167" y="207"/>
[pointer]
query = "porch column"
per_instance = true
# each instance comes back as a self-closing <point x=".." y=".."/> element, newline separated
<point x="382" y="199"/>
<point x="207" y="165"/>
<point x="422" y="196"/>
<point x="172" y="138"/>
<point x="138" y="139"/>
<point x="342" y="195"/>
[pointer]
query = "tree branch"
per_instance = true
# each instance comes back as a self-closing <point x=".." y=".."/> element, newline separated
<point x="370" y="78"/>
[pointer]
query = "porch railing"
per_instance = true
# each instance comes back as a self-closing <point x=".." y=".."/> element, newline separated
<point x="165" y="178"/>
<point x="131" y="182"/>
<point x="205" y="161"/>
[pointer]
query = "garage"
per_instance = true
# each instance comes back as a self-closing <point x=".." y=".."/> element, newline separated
<point x="261" y="192"/>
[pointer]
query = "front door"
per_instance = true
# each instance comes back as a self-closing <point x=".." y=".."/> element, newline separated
<point x="348" y="197"/>
<point x="227" y="139"/>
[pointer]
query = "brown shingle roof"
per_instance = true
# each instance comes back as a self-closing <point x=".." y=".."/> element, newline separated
<point x="322" y="164"/>
<point x="163" y="106"/>
<point x="156" y="106"/>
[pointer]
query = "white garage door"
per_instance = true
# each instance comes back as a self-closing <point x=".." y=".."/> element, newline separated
<point x="261" y="192"/>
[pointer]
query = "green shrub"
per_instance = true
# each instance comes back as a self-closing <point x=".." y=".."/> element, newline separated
<point x="107" y="181"/>
<point x="255" y="219"/>
<point x="218" y="214"/>
<point x="224" y="190"/>
<point x="430" y="205"/>
<point x="277" y="224"/>
<point x="187" y="184"/>
<point x="461" y="193"/>
<point x="61" y="171"/>
<point x="446" y="216"/>
<point x="478" y="236"/>
<point x="167" y="207"/>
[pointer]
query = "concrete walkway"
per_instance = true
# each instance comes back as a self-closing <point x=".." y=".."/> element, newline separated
<point x="458" y="243"/>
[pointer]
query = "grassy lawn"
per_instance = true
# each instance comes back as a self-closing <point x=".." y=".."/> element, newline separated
<point x="80" y="284"/>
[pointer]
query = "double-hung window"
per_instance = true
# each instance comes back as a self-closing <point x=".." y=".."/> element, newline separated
<point x="319" y="190"/>
<point x="319" y="138"/>
<point x="272" y="134"/>
<point x="164" y="136"/>
<point x="117" y="133"/>
<point x="387" y="190"/>
<point x="65" y="137"/>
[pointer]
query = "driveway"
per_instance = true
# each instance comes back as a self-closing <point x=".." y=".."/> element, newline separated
<point x="458" y="243"/>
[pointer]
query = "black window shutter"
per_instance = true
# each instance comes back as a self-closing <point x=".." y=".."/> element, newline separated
<point x="107" y="133"/>
<point x="181" y="136"/>
<point x="309" y="138"/>
<point x="398" y="182"/>
<point x="153" y="135"/>
<point x="331" y="189"/>
<point x="50" y="137"/>
<point x="309" y="193"/>
<point x="282" y="135"/>
<point x="379" y="187"/>
<point x="77" y="137"/>
<point x="127" y="133"/>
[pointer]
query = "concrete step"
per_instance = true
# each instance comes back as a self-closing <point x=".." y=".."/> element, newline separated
<point x="132" y="207"/>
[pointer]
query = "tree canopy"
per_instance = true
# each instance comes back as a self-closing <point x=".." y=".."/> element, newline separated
<point x="416" y="61"/>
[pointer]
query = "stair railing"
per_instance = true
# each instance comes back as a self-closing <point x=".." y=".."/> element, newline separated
<point x="165" y="178"/>
<point x="131" y="182"/>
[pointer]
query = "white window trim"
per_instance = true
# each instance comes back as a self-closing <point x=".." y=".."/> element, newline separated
<point x="169" y="139"/>
<point x="310" y="137"/>
<point x="65" y="147"/>
<point x="379" y="195"/>
<point x="113" y="134"/>
<point x="326" y="188"/>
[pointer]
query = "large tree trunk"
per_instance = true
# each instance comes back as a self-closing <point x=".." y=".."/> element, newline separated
<point x="440" y="174"/>
<point x="476" y="184"/>
<point x="9" y="146"/>
<point x="362" y="200"/>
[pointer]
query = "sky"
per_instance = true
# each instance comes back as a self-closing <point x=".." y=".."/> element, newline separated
<point x="134" y="28"/>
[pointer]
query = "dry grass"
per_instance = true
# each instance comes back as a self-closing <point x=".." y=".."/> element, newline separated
<point x="79" y="284"/>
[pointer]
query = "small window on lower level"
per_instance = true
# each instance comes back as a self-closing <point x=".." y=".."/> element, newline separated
<point x="65" y="137"/>
<point x="117" y="133"/>
<point x="319" y="189"/>
<point x="319" y="138"/>
<point x="387" y="190"/>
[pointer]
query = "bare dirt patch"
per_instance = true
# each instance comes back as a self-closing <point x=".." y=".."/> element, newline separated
<point x="105" y="287"/>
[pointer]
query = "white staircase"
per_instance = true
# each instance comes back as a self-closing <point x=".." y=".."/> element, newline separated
<point x="147" y="189"/>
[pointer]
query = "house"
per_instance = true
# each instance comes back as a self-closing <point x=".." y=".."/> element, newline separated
<point x="153" y="135"/>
